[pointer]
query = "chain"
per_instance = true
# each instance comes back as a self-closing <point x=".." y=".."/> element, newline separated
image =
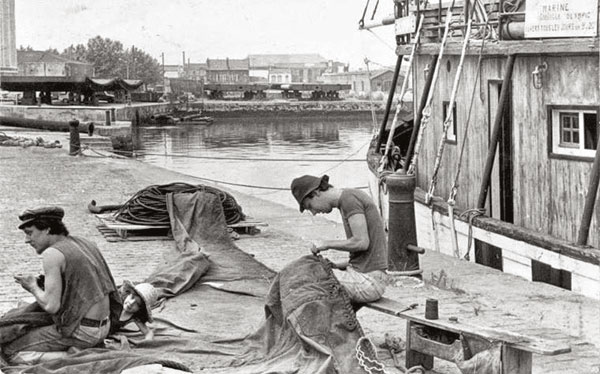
<point x="369" y="365"/>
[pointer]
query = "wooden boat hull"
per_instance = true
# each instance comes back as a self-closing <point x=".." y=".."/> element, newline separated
<point x="519" y="250"/>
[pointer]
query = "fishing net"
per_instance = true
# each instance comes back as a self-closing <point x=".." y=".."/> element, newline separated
<point x="148" y="206"/>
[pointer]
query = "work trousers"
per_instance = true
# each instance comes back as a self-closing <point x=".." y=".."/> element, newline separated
<point x="362" y="287"/>
<point x="49" y="339"/>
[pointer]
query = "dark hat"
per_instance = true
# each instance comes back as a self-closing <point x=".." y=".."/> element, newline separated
<point x="304" y="185"/>
<point x="48" y="212"/>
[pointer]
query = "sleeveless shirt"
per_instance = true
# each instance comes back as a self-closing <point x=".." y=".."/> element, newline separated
<point x="86" y="280"/>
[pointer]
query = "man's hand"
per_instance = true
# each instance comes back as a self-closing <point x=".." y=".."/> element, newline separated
<point x="317" y="247"/>
<point x="28" y="282"/>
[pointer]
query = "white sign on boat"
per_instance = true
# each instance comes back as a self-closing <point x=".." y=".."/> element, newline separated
<point x="562" y="18"/>
<point x="406" y="25"/>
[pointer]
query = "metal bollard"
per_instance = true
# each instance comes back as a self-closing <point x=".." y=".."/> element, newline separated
<point x="74" y="142"/>
<point x="402" y="226"/>
<point x="107" y="117"/>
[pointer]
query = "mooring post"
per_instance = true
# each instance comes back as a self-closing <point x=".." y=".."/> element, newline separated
<point x="402" y="235"/>
<point x="74" y="142"/>
<point x="107" y="117"/>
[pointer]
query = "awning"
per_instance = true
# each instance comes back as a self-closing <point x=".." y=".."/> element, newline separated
<point x="35" y="83"/>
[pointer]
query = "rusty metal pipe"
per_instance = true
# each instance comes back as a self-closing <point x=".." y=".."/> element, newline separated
<point x="62" y="126"/>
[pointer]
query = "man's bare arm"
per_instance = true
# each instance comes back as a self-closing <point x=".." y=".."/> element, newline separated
<point x="359" y="241"/>
<point x="48" y="298"/>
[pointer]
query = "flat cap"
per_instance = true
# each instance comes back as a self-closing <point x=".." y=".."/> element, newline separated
<point x="49" y="212"/>
<point x="304" y="185"/>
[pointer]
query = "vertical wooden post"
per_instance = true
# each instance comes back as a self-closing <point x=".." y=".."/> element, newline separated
<point x="414" y="358"/>
<point x="489" y="163"/>
<point x="74" y="141"/>
<point x="515" y="361"/>
<point x="590" y="199"/>
<point x="107" y="117"/>
<point x="389" y="102"/>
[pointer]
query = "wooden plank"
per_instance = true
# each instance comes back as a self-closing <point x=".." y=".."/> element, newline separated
<point x="527" y="343"/>
<point x="388" y="306"/>
<point x="111" y="223"/>
<point x="566" y="46"/>
<point x="523" y="342"/>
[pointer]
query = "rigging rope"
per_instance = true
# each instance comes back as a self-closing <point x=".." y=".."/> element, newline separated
<point x="426" y="113"/>
<point x="373" y="117"/>
<point x="361" y="22"/>
<point x="454" y="189"/>
<point x="449" y="120"/>
<point x="388" y="145"/>
<point x="381" y="40"/>
<point x="100" y="155"/>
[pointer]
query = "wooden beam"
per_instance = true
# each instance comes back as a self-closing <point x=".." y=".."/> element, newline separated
<point x="562" y="47"/>
<point x="483" y="192"/>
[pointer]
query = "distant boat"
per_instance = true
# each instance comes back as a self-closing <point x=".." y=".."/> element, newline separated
<point x="170" y="119"/>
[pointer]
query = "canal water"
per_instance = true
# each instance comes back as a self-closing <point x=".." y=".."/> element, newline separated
<point x="260" y="155"/>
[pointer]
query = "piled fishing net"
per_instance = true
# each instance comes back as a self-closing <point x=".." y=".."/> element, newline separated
<point x="148" y="206"/>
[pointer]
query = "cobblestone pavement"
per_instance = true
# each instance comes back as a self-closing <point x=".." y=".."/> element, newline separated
<point x="38" y="176"/>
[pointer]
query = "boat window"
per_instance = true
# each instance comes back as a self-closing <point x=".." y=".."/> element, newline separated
<point x="451" y="134"/>
<point x="574" y="131"/>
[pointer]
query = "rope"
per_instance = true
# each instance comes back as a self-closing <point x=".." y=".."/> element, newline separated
<point x="361" y="22"/>
<point x="449" y="116"/>
<point x="374" y="10"/>
<point x="426" y="114"/>
<point x="369" y="365"/>
<point x="245" y="158"/>
<point x="381" y="40"/>
<point x="373" y="117"/>
<point x="100" y="155"/>
<point x="471" y="213"/>
<point x="388" y="145"/>
<point x="341" y="162"/>
<point x="148" y="206"/>
<point x="454" y="189"/>
<point x="261" y="187"/>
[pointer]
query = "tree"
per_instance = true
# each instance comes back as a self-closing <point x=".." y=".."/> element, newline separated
<point x="76" y="52"/>
<point x="111" y="60"/>
<point x="141" y="65"/>
<point x="106" y="55"/>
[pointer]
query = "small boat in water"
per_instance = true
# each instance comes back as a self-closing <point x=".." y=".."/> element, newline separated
<point x="173" y="119"/>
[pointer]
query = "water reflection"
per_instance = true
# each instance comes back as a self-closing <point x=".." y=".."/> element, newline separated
<point x="274" y="138"/>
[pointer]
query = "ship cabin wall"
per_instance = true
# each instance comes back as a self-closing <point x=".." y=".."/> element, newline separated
<point x="548" y="190"/>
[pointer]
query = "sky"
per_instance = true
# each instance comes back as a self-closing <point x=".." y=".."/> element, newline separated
<point x="212" y="28"/>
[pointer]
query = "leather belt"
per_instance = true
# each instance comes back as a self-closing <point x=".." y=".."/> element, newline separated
<point x="93" y="323"/>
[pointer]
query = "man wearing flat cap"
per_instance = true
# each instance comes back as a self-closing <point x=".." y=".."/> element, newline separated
<point x="365" y="275"/>
<point x="77" y="289"/>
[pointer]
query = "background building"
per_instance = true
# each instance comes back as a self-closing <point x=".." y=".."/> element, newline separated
<point x="227" y="70"/>
<point x="46" y="64"/>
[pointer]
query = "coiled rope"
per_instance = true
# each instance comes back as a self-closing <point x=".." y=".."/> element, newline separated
<point x="149" y="205"/>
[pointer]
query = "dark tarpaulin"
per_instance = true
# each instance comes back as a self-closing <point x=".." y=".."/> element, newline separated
<point x="114" y="84"/>
<point x="217" y="321"/>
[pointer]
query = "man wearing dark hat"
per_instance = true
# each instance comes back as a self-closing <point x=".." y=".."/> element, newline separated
<point x="78" y="289"/>
<point x="365" y="276"/>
